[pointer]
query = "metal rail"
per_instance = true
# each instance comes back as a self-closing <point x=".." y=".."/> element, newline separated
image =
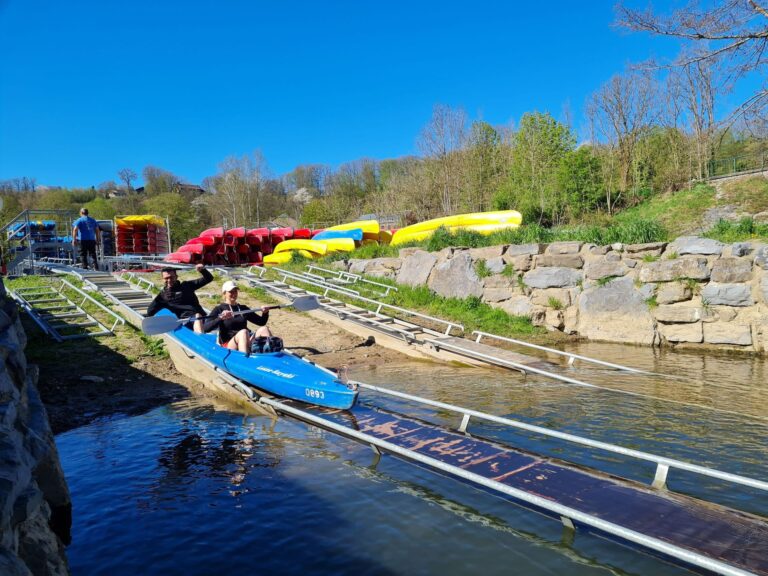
<point x="379" y="305"/>
<point x="663" y="464"/>
<point x="525" y="368"/>
<point x="344" y="275"/>
<point x="567" y="514"/>
<point x="571" y="357"/>
<point x="87" y="297"/>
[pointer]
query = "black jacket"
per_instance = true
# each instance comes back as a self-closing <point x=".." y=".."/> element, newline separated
<point x="228" y="328"/>
<point x="180" y="298"/>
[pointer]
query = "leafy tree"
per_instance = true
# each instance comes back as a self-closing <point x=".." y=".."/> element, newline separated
<point x="579" y="179"/>
<point x="101" y="209"/>
<point x="538" y="147"/>
<point x="158" y="181"/>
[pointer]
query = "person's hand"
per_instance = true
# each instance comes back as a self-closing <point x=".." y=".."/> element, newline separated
<point x="226" y="315"/>
<point x="265" y="309"/>
<point x="199" y="267"/>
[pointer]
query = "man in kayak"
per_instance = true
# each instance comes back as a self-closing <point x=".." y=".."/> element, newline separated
<point x="233" y="329"/>
<point x="180" y="297"/>
<point x="86" y="230"/>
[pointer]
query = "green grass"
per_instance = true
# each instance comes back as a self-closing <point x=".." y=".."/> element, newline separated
<point x="677" y="212"/>
<point x="155" y="346"/>
<point x="481" y="269"/>
<point x="555" y="304"/>
<point x="744" y="229"/>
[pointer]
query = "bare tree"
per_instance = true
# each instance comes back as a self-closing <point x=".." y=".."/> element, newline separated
<point x="620" y="110"/>
<point x="734" y="31"/>
<point x="441" y="142"/>
<point x="127" y="176"/>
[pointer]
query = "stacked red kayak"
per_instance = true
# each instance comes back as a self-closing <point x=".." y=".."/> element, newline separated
<point x="233" y="247"/>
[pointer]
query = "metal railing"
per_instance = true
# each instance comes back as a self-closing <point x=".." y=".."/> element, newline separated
<point x="90" y="299"/>
<point x="526" y="368"/>
<point x="349" y="276"/>
<point x="567" y="514"/>
<point x="133" y="278"/>
<point x="663" y="464"/>
<point x="571" y="357"/>
<point x="379" y="306"/>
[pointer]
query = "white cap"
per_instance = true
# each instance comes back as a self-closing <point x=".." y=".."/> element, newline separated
<point x="228" y="286"/>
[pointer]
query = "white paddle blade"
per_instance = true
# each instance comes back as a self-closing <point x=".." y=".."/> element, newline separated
<point x="305" y="303"/>
<point x="160" y="324"/>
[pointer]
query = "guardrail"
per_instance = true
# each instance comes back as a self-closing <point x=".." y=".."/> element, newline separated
<point x="567" y="514"/>
<point x="378" y="305"/>
<point x="87" y="297"/>
<point x="349" y="276"/>
<point x="571" y="357"/>
<point x="663" y="464"/>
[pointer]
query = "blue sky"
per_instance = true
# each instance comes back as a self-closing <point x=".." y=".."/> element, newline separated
<point x="90" y="87"/>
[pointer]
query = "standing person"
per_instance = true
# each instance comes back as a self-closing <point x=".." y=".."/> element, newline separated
<point x="233" y="330"/>
<point x="180" y="297"/>
<point x="88" y="230"/>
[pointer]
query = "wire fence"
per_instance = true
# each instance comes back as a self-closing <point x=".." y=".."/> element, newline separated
<point x="738" y="164"/>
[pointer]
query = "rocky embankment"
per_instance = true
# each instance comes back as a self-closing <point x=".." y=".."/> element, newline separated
<point x="35" y="508"/>
<point x="692" y="291"/>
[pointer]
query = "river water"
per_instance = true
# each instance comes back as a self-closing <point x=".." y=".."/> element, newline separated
<point x="192" y="488"/>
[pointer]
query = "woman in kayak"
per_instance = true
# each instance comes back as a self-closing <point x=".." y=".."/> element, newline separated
<point x="233" y="330"/>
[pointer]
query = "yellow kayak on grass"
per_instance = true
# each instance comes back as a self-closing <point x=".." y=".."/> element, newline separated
<point x="483" y="222"/>
<point x="338" y="244"/>
<point x="364" y="225"/>
<point x="385" y="236"/>
<point x="316" y="246"/>
<point x="279" y="258"/>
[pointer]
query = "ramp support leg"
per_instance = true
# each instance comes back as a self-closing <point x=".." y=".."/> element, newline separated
<point x="660" y="480"/>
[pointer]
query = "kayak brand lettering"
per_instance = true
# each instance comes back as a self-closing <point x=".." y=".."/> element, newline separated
<point x="276" y="372"/>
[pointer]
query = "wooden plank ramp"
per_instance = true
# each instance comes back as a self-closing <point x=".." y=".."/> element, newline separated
<point x="732" y="537"/>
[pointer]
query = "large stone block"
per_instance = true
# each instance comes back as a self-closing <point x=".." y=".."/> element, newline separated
<point x="678" y="333"/>
<point x="416" y="268"/>
<point x="564" y="248"/>
<point x="731" y="333"/>
<point x="764" y="288"/>
<point x="604" y="269"/>
<point x="495" y="265"/>
<point x="496" y="294"/>
<point x="727" y="294"/>
<point x="554" y="319"/>
<point x="761" y="258"/>
<point x="695" y="245"/>
<point x="649" y="248"/>
<point x="519" y="263"/>
<point x="500" y="281"/>
<point x="552" y="277"/>
<point x="668" y="270"/>
<point x="677" y="314"/>
<point x="550" y="296"/>
<point x="560" y="260"/>
<point x="487" y="252"/>
<point x="383" y="267"/>
<point x="671" y="292"/>
<point x="456" y="278"/>
<point x="515" y="306"/>
<point x="731" y="270"/>
<point x="514" y="250"/>
<point x="615" y="312"/>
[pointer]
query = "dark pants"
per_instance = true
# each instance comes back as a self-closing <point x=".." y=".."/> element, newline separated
<point x="88" y="247"/>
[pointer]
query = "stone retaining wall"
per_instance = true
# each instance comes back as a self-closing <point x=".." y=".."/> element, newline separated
<point x="34" y="499"/>
<point x="692" y="291"/>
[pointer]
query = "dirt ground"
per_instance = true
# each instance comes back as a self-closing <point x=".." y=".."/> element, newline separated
<point x="87" y="379"/>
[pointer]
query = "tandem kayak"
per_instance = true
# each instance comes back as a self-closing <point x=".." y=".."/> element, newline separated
<point x="279" y="373"/>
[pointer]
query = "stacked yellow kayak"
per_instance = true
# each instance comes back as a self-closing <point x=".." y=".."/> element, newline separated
<point x="481" y="222"/>
<point x="310" y="249"/>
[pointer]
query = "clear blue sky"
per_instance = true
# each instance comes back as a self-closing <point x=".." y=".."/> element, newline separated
<point x="89" y="87"/>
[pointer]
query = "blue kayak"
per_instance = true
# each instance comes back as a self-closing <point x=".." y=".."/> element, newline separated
<point x="279" y="373"/>
<point x="355" y="234"/>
